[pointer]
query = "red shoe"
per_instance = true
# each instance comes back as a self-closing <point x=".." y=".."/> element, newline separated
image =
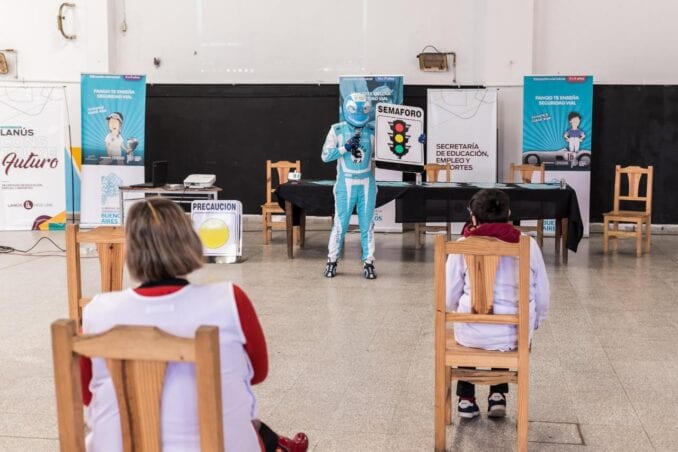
<point x="297" y="444"/>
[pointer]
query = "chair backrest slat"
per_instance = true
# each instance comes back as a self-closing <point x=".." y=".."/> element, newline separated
<point x="634" y="175"/>
<point x="110" y="243"/>
<point x="283" y="169"/>
<point x="138" y="389"/>
<point x="482" y="255"/>
<point x="526" y="172"/>
<point x="433" y="170"/>
<point x="482" y="273"/>
<point x="137" y="358"/>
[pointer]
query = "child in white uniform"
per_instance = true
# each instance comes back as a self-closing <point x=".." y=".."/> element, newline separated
<point x="490" y="213"/>
<point x="161" y="248"/>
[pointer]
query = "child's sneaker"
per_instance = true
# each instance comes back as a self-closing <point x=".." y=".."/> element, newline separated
<point x="468" y="408"/>
<point x="330" y="269"/>
<point x="496" y="405"/>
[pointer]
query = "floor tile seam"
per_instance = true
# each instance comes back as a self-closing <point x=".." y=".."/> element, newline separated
<point x="55" y="438"/>
<point x="31" y="259"/>
<point x="402" y="394"/>
<point x="628" y="397"/>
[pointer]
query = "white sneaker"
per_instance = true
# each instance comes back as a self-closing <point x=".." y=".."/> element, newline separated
<point x="496" y="405"/>
<point x="467" y="409"/>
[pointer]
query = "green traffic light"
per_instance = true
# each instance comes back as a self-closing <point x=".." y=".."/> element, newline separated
<point x="399" y="149"/>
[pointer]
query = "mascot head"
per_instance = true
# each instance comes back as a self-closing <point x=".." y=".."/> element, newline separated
<point x="357" y="110"/>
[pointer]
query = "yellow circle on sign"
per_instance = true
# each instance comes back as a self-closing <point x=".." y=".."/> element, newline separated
<point x="213" y="233"/>
<point x="399" y="138"/>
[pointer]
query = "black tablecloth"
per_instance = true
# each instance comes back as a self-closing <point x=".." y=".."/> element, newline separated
<point x="317" y="197"/>
<point x="446" y="202"/>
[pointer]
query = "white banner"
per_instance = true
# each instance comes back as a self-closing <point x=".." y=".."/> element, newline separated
<point x="33" y="155"/>
<point x="219" y="226"/>
<point x="462" y="131"/>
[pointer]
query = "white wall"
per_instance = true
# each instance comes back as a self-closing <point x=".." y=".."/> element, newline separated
<point x="618" y="42"/>
<point x="311" y="41"/>
<point x="276" y="41"/>
<point x="47" y="58"/>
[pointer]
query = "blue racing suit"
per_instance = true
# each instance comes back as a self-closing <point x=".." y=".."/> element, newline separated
<point x="355" y="187"/>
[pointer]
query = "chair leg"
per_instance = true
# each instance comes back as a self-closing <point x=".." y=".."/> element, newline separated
<point x="439" y="416"/>
<point x="648" y="234"/>
<point x="448" y="230"/>
<point x="418" y="242"/>
<point x="523" y="402"/>
<point x="606" y="237"/>
<point x="540" y="233"/>
<point x="639" y="238"/>
<point x="615" y="239"/>
<point x="297" y="235"/>
<point x="269" y="228"/>
<point x="448" y="396"/>
<point x="264" y="227"/>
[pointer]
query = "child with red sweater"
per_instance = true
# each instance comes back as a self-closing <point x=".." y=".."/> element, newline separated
<point x="489" y="210"/>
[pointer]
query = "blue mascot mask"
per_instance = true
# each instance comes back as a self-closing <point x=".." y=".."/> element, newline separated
<point x="357" y="110"/>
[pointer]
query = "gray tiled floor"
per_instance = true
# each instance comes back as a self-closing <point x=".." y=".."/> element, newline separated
<point x="352" y="360"/>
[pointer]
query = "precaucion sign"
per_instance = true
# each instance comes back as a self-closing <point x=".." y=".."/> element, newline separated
<point x="219" y="226"/>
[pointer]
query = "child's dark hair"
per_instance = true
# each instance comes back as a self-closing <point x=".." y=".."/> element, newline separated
<point x="490" y="206"/>
<point x="573" y="114"/>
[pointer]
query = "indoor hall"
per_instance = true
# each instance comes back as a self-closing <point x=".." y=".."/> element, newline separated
<point x="351" y="359"/>
<point x="274" y="226"/>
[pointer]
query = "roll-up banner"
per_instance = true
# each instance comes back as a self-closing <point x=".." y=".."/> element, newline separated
<point x="557" y="127"/>
<point x="462" y="131"/>
<point x="378" y="88"/>
<point x="35" y="158"/>
<point x="113" y="121"/>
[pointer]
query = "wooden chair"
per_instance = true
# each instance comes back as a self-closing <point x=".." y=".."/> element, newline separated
<point x="110" y="242"/>
<point x="482" y="258"/>
<point x="616" y="216"/>
<point x="271" y="207"/>
<point x="137" y="358"/>
<point x="526" y="173"/>
<point x="432" y="171"/>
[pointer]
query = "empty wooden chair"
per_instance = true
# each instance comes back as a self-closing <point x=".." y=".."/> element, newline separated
<point x="271" y="206"/>
<point x="526" y="175"/>
<point x="634" y="175"/>
<point x="137" y="357"/>
<point x="432" y="171"/>
<point x="481" y="255"/>
<point x="110" y="243"/>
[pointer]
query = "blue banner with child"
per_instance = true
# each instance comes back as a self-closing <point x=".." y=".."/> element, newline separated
<point x="557" y="121"/>
<point x="557" y="129"/>
<point x="113" y="122"/>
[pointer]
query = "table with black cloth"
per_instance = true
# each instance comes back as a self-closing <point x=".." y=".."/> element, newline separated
<point x="440" y="202"/>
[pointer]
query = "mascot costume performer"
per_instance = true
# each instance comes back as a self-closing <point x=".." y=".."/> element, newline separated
<point x="351" y="144"/>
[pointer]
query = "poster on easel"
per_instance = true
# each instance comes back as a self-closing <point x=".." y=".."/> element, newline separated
<point x="34" y="156"/>
<point x="113" y="141"/>
<point x="557" y="132"/>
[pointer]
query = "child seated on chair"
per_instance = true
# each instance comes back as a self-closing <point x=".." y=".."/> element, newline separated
<point x="161" y="250"/>
<point x="489" y="210"/>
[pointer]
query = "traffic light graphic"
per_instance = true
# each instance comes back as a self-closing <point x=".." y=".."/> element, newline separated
<point x="399" y="137"/>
